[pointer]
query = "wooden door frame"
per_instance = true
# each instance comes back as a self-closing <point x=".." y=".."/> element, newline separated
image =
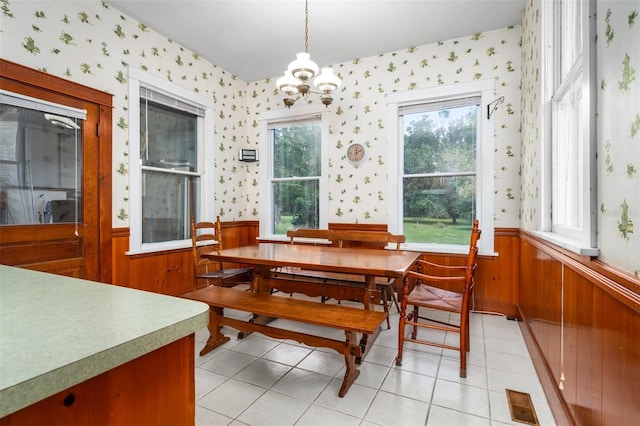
<point x="97" y="158"/>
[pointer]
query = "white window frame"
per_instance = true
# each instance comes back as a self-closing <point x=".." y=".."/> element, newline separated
<point x="484" y="162"/>
<point x="575" y="77"/>
<point x="205" y="149"/>
<point x="266" y="165"/>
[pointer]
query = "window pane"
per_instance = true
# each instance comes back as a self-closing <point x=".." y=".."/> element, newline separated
<point x="167" y="202"/>
<point x="567" y="155"/>
<point x="570" y="35"/>
<point x="168" y="137"/>
<point x="296" y="205"/>
<point x="40" y="167"/>
<point x="439" y="210"/>
<point x="296" y="151"/>
<point x="442" y="141"/>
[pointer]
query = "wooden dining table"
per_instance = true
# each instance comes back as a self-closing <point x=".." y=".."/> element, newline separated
<point x="351" y="272"/>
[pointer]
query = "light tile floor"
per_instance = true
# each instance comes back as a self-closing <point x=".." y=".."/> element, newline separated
<point x="263" y="381"/>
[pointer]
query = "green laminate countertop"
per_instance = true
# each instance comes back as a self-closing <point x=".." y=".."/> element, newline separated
<point x="56" y="331"/>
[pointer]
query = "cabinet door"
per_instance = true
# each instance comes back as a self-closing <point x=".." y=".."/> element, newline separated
<point x="155" y="389"/>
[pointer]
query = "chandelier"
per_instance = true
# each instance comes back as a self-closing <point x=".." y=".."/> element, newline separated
<point x="297" y="77"/>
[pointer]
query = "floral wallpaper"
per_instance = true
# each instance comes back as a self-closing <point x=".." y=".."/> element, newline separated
<point x="618" y="124"/>
<point x="359" y="114"/>
<point x="92" y="43"/>
<point x="530" y="122"/>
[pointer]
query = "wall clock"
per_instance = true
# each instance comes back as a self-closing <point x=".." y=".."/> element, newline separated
<point x="356" y="153"/>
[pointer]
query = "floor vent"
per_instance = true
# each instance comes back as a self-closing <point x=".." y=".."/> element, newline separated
<point x="521" y="408"/>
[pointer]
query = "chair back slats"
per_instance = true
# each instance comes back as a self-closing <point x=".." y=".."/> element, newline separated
<point x="202" y="232"/>
<point x="471" y="258"/>
<point x="364" y="239"/>
<point x="207" y="237"/>
<point x="380" y="239"/>
<point x="316" y="234"/>
<point x="204" y="237"/>
<point x="431" y="287"/>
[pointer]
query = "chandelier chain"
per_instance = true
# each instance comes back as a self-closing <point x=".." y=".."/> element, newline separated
<point x="298" y="76"/>
<point x="306" y="26"/>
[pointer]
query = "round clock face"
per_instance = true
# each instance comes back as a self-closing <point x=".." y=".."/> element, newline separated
<point x="355" y="153"/>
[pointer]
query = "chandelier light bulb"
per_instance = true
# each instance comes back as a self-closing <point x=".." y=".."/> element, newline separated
<point x="288" y="83"/>
<point x="327" y="81"/>
<point x="303" y="68"/>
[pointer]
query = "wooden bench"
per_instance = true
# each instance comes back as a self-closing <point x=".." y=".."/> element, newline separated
<point x="364" y="239"/>
<point x="351" y="320"/>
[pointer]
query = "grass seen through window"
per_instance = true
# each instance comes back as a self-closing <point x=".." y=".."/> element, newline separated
<point x="424" y="230"/>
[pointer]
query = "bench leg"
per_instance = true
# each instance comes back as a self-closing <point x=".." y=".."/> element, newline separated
<point x="216" y="338"/>
<point x="352" y="373"/>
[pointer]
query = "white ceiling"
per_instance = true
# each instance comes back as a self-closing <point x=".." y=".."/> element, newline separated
<point x="256" y="39"/>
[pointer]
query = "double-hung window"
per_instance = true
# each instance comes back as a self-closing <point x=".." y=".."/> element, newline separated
<point x="293" y="171"/>
<point x="170" y="131"/>
<point x="569" y="172"/>
<point x="441" y="166"/>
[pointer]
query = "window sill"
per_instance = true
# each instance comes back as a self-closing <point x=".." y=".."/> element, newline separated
<point x="285" y="239"/>
<point x="422" y="248"/>
<point x="444" y="249"/>
<point x="266" y="238"/>
<point x="160" y="247"/>
<point x="569" y="244"/>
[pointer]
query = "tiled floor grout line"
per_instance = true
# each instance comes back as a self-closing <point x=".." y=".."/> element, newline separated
<point x="492" y="417"/>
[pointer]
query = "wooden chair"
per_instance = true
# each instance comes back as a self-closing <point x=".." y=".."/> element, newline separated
<point x="312" y="236"/>
<point x="419" y="294"/>
<point x="376" y="240"/>
<point x="369" y="239"/>
<point x="207" y="236"/>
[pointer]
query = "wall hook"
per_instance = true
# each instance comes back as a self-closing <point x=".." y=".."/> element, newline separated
<point x="493" y="106"/>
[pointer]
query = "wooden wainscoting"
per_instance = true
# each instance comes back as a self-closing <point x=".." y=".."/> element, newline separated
<point x="169" y="272"/>
<point x="496" y="287"/>
<point x="581" y="321"/>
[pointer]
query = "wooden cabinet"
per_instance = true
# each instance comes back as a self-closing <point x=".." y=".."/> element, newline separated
<point x="155" y="389"/>
<point x="78" y="352"/>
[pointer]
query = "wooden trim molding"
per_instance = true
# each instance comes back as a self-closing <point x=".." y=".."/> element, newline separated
<point x="380" y="227"/>
<point x="623" y="287"/>
<point x="57" y="85"/>
<point x="559" y="407"/>
<point x="95" y="236"/>
<point x="240" y="224"/>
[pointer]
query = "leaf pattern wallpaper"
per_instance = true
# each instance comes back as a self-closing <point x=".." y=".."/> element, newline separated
<point x="618" y="124"/>
<point x="359" y="114"/>
<point x="92" y="43"/>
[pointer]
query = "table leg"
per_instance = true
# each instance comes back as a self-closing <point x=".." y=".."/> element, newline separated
<point x="366" y="341"/>
<point x="216" y="338"/>
<point x="260" y="286"/>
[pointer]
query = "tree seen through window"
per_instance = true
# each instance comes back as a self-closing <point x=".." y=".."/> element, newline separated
<point x="439" y="183"/>
<point x="296" y="176"/>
